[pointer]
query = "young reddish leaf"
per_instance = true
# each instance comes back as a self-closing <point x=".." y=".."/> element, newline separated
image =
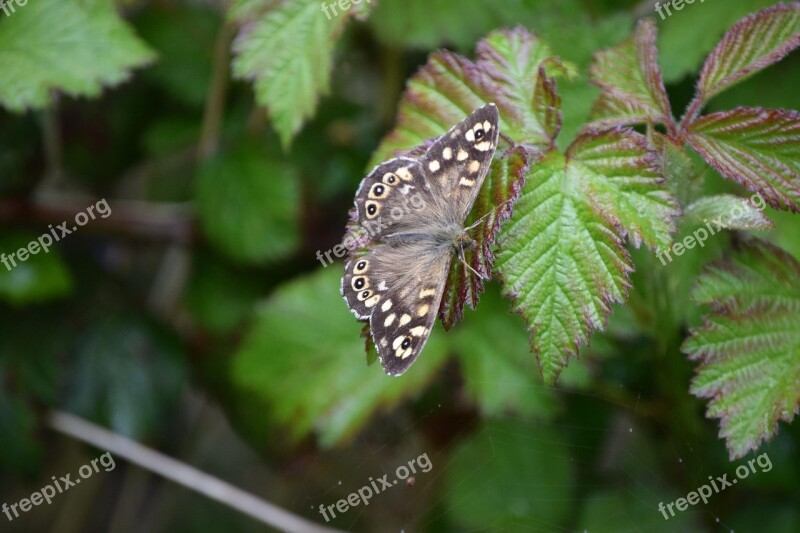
<point x="749" y="345"/>
<point x="752" y="44"/>
<point x="630" y="77"/>
<point x="758" y="148"/>
<point x="494" y="202"/>
<point x="449" y="87"/>
<point x="547" y="104"/>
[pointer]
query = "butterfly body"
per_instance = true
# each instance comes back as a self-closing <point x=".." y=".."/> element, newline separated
<point x="407" y="226"/>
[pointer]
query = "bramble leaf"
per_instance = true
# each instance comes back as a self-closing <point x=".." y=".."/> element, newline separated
<point x="749" y="345"/>
<point x="732" y="211"/>
<point x="752" y="44"/>
<point x="758" y="148"/>
<point x="630" y="77"/>
<point x="561" y="255"/>
<point x="73" y="47"/>
<point x="286" y="49"/>
<point x="249" y="205"/>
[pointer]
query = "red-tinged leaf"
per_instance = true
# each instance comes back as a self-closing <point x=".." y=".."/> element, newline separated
<point x="494" y="202"/>
<point x="758" y="148"/>
<point x="547" y="104"/>
<point x="630" y="77"/>
<point x="449" y="87"/>
<point x="749" y="345"/>
<point x="752" y="44"/>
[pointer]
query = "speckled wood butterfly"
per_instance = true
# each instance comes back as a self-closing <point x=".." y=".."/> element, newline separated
<point x="407" y="225"/>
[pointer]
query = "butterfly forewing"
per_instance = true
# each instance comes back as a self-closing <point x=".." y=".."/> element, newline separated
<point x="396" y="275"/>
<point x="385" y="199"/>
<point x="458" y="161"/>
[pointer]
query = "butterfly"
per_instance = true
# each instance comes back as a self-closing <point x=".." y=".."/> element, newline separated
<point x="406" y="227"/>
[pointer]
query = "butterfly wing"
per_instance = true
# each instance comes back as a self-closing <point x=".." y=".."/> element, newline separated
<point x="457" y="162"/>
<point x="385" y="198"/>
<point x="399" y="289"/>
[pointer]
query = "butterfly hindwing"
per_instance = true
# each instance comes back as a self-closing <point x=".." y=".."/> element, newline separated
<point x="403" y="315"/>
<point x="458" y="161"/>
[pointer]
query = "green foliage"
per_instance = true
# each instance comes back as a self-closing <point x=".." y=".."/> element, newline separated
<point x="249" y="205"/>
<point x="487" y="485"/>
<point x="749" y="345"/>
<point x="288" y="51"/>
<point x="93" y="48"/>
<point x="332" y="393"/>
<point x="40" y="277"/>
<point x="231" y="156"/>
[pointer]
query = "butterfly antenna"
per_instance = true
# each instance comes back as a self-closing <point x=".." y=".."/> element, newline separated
<point x="467" y="265"/>
<point x="478" y="221"/>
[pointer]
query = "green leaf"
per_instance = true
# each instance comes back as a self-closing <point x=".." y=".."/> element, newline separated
<point x="749" y="345"/>
<point x="627" y="176"/>
<point x="561" y="255"/>
<point x="449" y="87"/>
<point x="732" y="211"/>
<point x="72" y="46"/>
<point x="495" y="200"/>
<point x="39" y="278"/>
<point x="288" y="53"/>
<point x="509" y="477"/>
<point x="302" y="365"/>
<point x="757" y="148"/>
<point x="249" y="205"/>
<point x="500" y="381"/>
<point x="752" y="44"/>
<point x="629" y="75"/>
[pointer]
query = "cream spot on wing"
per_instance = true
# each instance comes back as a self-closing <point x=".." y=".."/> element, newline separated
<point x="462" y="155"/>
<point x="424" y="293"/>
<point x="423" y="310"/>
<point x="372" y="301"/>
<point x="384" y="342"/>
<point x="382" y="285"/>
<point x="474" y="166"/>
<point x="405" y="354"/>
<point x="389" y="320"/>
<point x="397" y="342"/>
<point x="405" y="319"/>
<point x="483" y="146"/>
<point x="470" y="135"/>
<point x="418" y="331"/>
<point x="466" y="182"/>
<point x="404" y="174"/>
<point x="487" y="125"/>
<point x="447" y="153"/>
<point x="386" y="305"/>
<point x="434" y="166"/>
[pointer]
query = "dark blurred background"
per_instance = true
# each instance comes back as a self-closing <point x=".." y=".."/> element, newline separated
<point x="196" y="319"/>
